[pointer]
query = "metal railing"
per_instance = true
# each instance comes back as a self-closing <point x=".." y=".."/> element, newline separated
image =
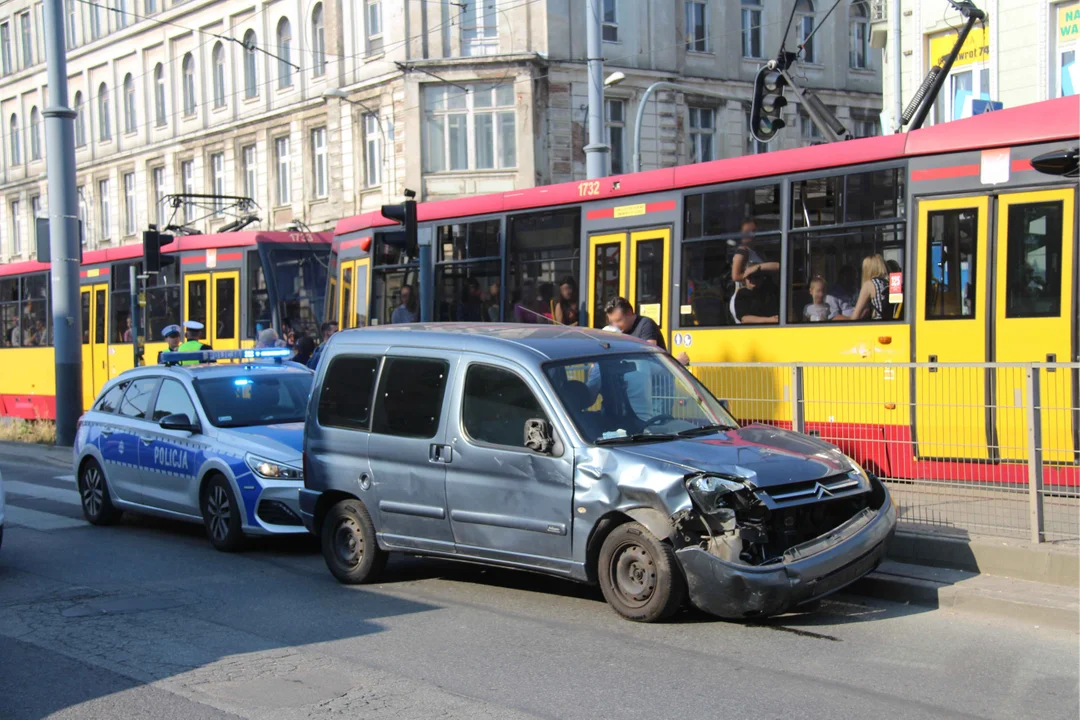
<point x="966" y="448"/>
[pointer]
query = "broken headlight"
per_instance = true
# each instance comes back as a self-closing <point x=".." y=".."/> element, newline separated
<point x="713" y="493"/>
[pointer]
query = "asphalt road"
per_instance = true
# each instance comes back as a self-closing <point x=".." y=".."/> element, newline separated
<point x="145" y="619"/>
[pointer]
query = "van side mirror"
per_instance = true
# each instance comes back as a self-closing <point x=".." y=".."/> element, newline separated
<point x="178" y="421"/>
<point x="538" y="435"/>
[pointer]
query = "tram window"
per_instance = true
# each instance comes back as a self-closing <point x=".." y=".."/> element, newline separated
<point x="120" y="303"/>
<point x="259" y="315"/>
<point x="10" y="324"/>
<point x="299" y="279"/>
<point x="466" y="241"/>
<point x="35" y="312"/>
<point x="951" y="263"/>
<point x="607" y="262"/>
<point x="390" y="294"/>
<point x="195" y="305"/>
<point x="816" y="202"/>
<point x="707" y="288"/>
<point x="85" y="302"/>
<point x="99" y="317"/>
<point x="543" y="248"/>
<point x="825" y="270"/>
<point x="725" y="211"/>
<point x="1033" y="273"/>
<point x="876" y="195"/>
<point x="464" y="292"/>
<point x="225" y="305"/>
<point x="649" y="282"/>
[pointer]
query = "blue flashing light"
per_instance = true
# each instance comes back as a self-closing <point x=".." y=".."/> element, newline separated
<point x="209" y="356"/>
<point x="242" y="381"/>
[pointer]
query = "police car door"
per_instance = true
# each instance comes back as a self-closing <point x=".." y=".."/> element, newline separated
<point x="170" y="458"/>
<point x="120" y="449"/>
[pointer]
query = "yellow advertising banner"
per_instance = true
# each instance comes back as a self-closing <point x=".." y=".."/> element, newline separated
<point x="1068" y="22"/>
<point x="976" y="48"/>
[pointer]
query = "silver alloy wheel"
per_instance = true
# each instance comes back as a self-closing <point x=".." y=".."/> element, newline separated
<point x="218" y="513"/>
<point x="93" y="490"/>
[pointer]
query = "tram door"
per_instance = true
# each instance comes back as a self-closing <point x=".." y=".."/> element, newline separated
<point x="607" y="274"/>
<point x="212" y="299"/>
<point x="951" y="405"/>
<point x="1033" y="317"/>
<point x="94" y="300"/>
<point x="353" y="297"/>
<point x="634" y="265"/>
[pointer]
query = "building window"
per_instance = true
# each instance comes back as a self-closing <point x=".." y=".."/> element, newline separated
<point x="318" y="42"/>
<point x="5" y="47"/>
<point x="1065" y="75"/>
<point x="95" y="21"/>
<point x="475" y="130"/>
<point x="129" y="104"/>
<point x="251" y="78"/>
<point x="80" y="121"/>
<point x="151" y="7"/>
<point x="615" y="127"/>
<point x="27" y="40"/>
<point x="35" y="207"/>
<point x="480" y="28"/>
<point x="804" y="10"/>
<point x="188" y="67"/>
<point x="247" y="156"/>
<point x="83" y="225"/>
<point x="284" y="49"/>
<point x="187" y="182"/>
<point x="121" y="13"/>
<point x="702" y="129"/>
<point x="373" y="15"/>
<point x="39" y="37"/>
<point x="859" y="29"/>
<point x="751" y="28"/>
<point x="219" y="75"/>
<point x="104" y="229"/>
<point x="16" y="236"/>
<point x="753" y="145"/>
<point x="611" y="21"/>
<point x="217" y="180"/>
<point x="72" y="22"/>
<point x="157" y="191"/>
<point x="281" y="162"/>
<point x="809" y="130"/>
<point x="372" y="150"/>
<point x="320" y="166"/>
<point x="35" y="134"/>
<point x="697" y="24"/>
<point x="129" y="203"/>
<point x="160" y="114"/>
<point x="16" y="142"/>
<point x="104" y="131"/>
<point x="864" y="125"/>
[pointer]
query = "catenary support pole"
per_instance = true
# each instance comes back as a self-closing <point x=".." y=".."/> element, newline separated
<point x="597" y="150"/>
<point x="63" y="230"/>
<point x="897" y="62"/>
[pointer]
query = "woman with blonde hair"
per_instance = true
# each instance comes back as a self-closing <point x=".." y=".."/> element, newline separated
<point x="874" y="293"/>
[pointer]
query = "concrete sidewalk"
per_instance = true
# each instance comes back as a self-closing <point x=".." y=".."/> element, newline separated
<point x="58" y="455"/>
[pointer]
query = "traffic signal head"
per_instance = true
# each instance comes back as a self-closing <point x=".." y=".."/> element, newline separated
<point x="153" y="241"/>
<point x="769" y="101"/>
<point x="404" y="213"/>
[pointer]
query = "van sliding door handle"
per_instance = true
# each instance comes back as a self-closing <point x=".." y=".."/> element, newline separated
<point x="440" y="453"/>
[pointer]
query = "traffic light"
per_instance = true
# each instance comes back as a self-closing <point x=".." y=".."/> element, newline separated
<point x="152" y="242"/>
<point x="404" y="213"/>
<point x="769" y="102"/>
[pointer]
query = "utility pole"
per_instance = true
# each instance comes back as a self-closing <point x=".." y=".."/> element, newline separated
<point x="596" y="151"/>
<point x="63" y="230"/>
<point x="897" y="60"/>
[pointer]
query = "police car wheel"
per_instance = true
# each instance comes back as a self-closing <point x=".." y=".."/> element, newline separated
<point x="97" y="504"/>
<point x="221" y="515"/>
<point x="639" y="574"/>
<point x="348" y="544"/>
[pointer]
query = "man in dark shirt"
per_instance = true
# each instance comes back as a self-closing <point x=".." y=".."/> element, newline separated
<point x="758" y="303"/>
<point x="621" y="316"/>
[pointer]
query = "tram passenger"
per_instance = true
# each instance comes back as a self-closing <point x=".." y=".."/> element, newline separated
<point x="874" y="293"/>
<point x="842" y="293"/>
<point x="492" y="311"/>
<point x="127" y="330"/>
<point x="758" y="303"/>
<point x="16" y="333"/>
<point x="566" y="309"/>
<point x="328" y="329"/>
<point x="746" y="260"/>
<point x="471" y="308"/>
<point x="405" y="312"/>
<point x="171" y="333"/>
<point x="305" y="348"/>
<point x="818" y="309"/>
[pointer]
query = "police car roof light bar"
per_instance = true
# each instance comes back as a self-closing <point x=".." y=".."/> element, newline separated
<point x="206" y="356"/>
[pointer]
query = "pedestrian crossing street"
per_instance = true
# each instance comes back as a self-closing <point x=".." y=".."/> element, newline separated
<point x="45" y="507"/>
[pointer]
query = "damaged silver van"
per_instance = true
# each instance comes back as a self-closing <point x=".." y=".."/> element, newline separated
<point x="581" y="454"/>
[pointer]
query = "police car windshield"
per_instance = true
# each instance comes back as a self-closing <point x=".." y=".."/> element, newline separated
<point x="254" y="399"/>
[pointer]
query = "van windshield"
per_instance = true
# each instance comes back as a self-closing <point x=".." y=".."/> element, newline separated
<point x="637" y="397"/>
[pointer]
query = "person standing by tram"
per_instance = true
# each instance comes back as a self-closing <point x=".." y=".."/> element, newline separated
<point x="192" y="330"/>
<point x="171" y="333"/>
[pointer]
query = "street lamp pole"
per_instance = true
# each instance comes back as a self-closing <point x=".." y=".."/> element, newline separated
<point x="596" y="151"/>
<point x="641" y="110"/>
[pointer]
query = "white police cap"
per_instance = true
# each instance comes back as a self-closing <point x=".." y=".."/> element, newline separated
<point x="170" y="330"/>
<point x="193" y="325"/>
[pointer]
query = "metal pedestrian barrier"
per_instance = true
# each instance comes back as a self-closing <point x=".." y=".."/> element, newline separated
<point x="965" y="448"/>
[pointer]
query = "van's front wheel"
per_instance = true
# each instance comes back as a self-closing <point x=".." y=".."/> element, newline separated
<point x="639" y="574"/>
<point x="348" y="543"/>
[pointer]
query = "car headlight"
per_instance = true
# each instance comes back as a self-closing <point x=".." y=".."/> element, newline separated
<point x="272" y="470"/>
<point x="710" y="492"/>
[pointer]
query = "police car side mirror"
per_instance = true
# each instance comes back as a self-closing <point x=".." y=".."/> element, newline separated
<point x="538" y="435"/>
<point x="178" y="421"/>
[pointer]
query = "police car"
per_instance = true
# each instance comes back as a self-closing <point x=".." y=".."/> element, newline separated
<point x="219" y="444"/>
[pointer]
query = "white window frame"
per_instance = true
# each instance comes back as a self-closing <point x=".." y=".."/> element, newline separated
<point x="150" y="7"/>
<point x="282" y="172"/>
<point x="859" y="35"/>
<point x="161" y="110"/>
<point x="187" y="182"/>
<point x="157" y="192"/>
<point x="26" y="39"/>
<point x="217" y="180"/>
<point x="609" y="31"/>
<point x="500" y="111"/>
<point x="613" y="128"/>
<point x="129" y="203"/>
<point x="5" y="48"/>
<point x="104" y="123"/>
<point x="104" y="221"/>
<point x="318" y="40"/>
<point x="808" y="130"/>
<point x="187" y="74"/>
<point x="251" y="65"/>
<point x="320" y="164"/>
<point x="95" y="22"/>
<point x="284" y="53"/>
<point x="373" y="144"/>
<point x="218" y="61"/>
<point x="35" y="134"/>
<point x="130" y="119"/>
<point x="945" y="109"/>
<point x="373" y="26"/>
<point x="248" y="159"/>
<point x="693" y="44"/>
<point x="480" y="28"/>
<point x="71" y="23"/>
<point x="16" y="236"/>
<point x="805" y="20"/>
<point x="16" y="141"/>
<point x="751" y="27"/>
<point x="80" y="120"/>
<point x="698" y="130"/>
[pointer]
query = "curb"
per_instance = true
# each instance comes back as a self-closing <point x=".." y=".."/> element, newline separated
<point x="1043" y="562"/>
<point x="32" y="453"/>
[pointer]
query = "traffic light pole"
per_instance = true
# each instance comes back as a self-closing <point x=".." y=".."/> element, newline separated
<point x="63" y="230"/>
<point x="644" y="100"/>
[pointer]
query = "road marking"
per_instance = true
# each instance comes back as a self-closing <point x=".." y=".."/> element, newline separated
<point x="69" y="497"/>
<point x="65" y="478"/>
<point x="36" y="520"/>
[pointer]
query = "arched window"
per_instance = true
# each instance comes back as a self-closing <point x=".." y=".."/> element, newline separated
<point x="284" y="46"/>
<point x="251" y="78"/>
<point x="160" y="113"/>
<point x="104" y="130"/>
<point x="80" y="121"/>
<point x="219" y="75"/>
<point x="16" y="143"/>
<point x="129" y="104"/>
<point x="35" y="134"/>
<point x="188" y="67"/>
<point x="859" y="25"/>
<point x="318" y="41"/>
<point x="804" y="9"/>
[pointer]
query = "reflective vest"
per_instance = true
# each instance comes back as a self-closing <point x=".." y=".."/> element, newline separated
<point x="192" y="346"/>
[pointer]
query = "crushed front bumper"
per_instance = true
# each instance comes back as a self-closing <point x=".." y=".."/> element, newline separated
<point x="807" y="572"/>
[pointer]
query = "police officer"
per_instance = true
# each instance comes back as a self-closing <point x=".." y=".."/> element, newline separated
<point x="192" y="343"/>
<point x="171" y="333"/>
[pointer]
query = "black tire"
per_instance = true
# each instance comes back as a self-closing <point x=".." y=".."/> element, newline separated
<point x="222" y="515"/>
<point x="96" y="500"/>
<point x="349" y="546"/>
<point x="639" y="575"/>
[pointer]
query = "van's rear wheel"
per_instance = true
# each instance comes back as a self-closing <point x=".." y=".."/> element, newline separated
<point x="348" y="543"/>
<point x="639" y="575"/>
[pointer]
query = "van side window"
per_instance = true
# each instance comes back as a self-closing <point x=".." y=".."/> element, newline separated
<point x="111" y="400"/>
<point x="345" y="399"/>
<point x="410" y="397"/>
<point x="496" y="405"/>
